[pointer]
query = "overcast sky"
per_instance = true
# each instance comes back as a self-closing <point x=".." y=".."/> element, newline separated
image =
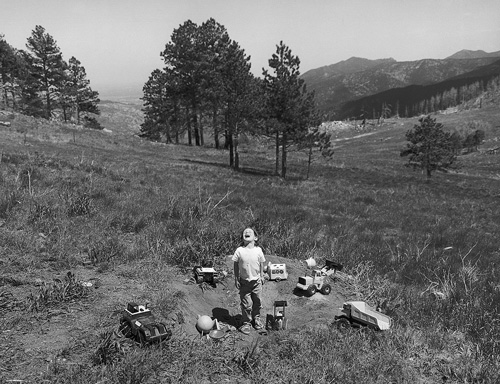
<point x="119" y="41"/>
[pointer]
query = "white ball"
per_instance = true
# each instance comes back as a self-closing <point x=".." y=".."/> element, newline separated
<point x="204" y="323"/>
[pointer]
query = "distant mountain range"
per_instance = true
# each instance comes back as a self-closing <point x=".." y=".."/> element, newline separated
<point x="342" y="83"/>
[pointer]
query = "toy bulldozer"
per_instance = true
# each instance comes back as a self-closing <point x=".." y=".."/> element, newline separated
<point x="317" y="282"/>
<point x="278" y="320"/>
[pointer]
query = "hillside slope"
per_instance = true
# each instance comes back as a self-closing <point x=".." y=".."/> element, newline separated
<point x="132" y="217"/>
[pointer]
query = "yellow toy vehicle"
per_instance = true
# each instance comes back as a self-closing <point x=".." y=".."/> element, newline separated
<point x="316" y="282"/>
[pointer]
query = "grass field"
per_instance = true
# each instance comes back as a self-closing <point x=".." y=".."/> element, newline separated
<point x="136" y="215"/>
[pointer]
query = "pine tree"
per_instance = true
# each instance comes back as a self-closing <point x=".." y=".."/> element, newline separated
<point x="430" y="147"/>
<point x="214" y="43"/>
<point x="316" y="142"/>
<point x="161" y="107"/>
<point x="8" y="69"/>
<point x="29" y="87"/>
<point x="183" y="59"/>
<point x="289" y="104"/>
<point x="83" y="98"/>
<point x="47" y="66"/>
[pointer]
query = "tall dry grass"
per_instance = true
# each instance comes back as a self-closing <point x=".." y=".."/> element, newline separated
<point x="426" y="252"/>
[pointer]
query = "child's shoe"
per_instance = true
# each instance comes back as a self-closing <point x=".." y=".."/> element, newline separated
<point x="245" y="329"/>
<point x="257" y="323"/>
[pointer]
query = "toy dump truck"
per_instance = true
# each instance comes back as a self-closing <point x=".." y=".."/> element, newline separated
<point x="138" y="323"/>
<point x="358" y="313"/>
<point x="278" y="320"/>
<point x="316" y="282"/>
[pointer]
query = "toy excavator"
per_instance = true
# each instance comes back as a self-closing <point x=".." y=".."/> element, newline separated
<point x="316" y="282"/>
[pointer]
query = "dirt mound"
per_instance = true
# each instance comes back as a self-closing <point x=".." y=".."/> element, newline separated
<point x="223" y="303"/>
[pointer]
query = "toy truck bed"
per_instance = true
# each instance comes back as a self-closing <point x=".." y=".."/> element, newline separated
<point x="359" y="311"/>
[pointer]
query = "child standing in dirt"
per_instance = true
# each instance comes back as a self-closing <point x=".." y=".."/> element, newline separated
<point x="248" y="278"/>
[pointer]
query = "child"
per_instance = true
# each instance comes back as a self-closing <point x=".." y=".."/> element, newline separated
<point x="249" y="278"/>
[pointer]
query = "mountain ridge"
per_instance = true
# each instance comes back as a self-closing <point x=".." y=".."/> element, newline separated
<point x="337" y="84"/>
<point x="470" y="54"/>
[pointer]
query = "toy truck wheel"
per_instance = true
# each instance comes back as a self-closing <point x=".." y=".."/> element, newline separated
<point x="269" y="322"/>
<point x="278" y="279"/>
<point x="311" y="290"/>
<point x="326" y="289"/>
<point x="343" y="323"/>
<point x="141" y="338"/>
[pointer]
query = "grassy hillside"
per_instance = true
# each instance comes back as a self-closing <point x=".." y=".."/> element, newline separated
<point x="133" y="217"/>
<point x="121" y="116"/>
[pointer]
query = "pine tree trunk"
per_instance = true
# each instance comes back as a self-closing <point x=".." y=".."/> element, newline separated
<point x="195" y="128"/>
<point x="188" y="120"/>
<point x="231" y="149"/>
<point x="236" y="154"/>
<point x="309" y="161"/>
<point x="77" y="114"/>
<point x="202" y="140"/>
<point x="283" y="156"/>
<point x="277" y="165"/>
<point x="215" y="128"/>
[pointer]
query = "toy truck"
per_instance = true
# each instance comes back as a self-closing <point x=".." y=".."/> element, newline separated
<point x="278" y="321"/>
<point x="137" y="322"/>
<point x="316" y="282"/>
<point x="358" y="313"/>
<point x="205" y="274"/>
<point x="277" y="272"/>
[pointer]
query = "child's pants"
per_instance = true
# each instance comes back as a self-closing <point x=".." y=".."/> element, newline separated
<point x="250" y="293"/>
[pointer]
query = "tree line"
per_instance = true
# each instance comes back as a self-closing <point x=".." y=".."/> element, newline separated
<point x="418" y="100"/>
<point x="206" y="88"/>
<point x="38" y="82"/>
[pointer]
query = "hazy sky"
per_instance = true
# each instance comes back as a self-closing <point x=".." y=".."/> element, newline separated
<point x="119" y="41"/>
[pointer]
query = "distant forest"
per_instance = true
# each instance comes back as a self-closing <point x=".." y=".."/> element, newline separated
<point x="416" y="100"/>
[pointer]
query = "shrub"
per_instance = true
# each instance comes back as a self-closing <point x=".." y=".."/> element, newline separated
<point x="102" y="251"/>
<point x="91" y="122"/>
<point x="79" y="205"/>
<point x="57" y="292"/>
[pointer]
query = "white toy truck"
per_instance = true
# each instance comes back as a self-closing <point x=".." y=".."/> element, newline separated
<point x="277" y="272"/>
<point x="317" y="280"/>
<point x="358" y="313"/>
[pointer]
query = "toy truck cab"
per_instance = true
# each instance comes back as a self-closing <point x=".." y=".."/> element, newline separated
<point x="137" y="322"/>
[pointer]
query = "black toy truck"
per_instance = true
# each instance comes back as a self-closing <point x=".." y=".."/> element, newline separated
<point x="137" y="322"/>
